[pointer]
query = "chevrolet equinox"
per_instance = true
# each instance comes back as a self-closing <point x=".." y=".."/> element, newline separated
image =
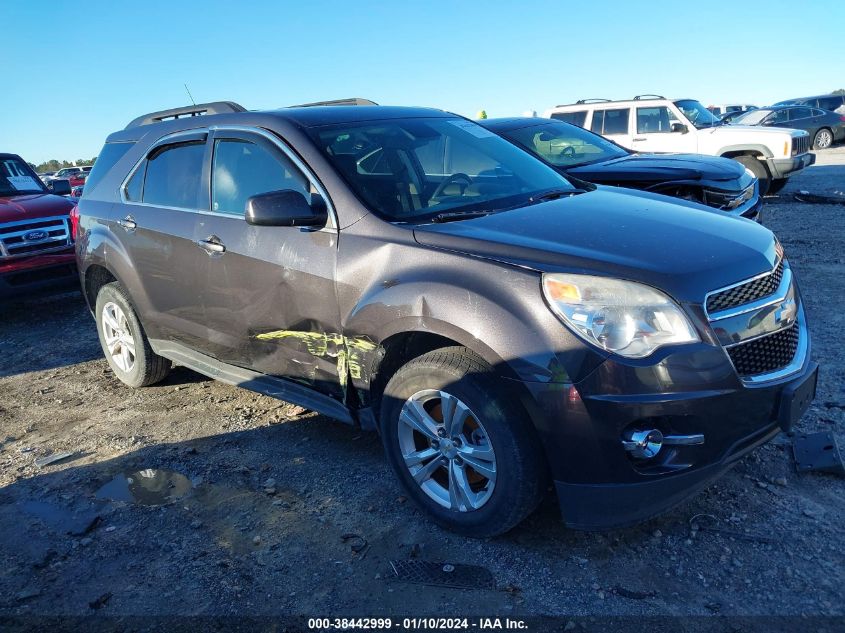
<point x="502" y="327"/>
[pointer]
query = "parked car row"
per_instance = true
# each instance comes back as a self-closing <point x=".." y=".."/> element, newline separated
<point x="651" y="123"/>
<point x="825" y="128"/>
<point x="462" y="289"/>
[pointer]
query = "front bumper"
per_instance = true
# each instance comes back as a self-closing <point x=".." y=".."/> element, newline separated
<point x="785" y="167"/>
<point x="38" y="274"/>
<point x="602" y="486"/>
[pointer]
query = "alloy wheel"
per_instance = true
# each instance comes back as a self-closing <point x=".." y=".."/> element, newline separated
<point x="823" y="139"/>
<point x="447" y="450"/>
<point x="118" y="337"/>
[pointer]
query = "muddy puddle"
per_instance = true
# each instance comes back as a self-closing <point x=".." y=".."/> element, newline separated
<point x="148" y="487"/>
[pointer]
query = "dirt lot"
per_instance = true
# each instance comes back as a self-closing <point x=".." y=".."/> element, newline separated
<point x="272" y="490"/>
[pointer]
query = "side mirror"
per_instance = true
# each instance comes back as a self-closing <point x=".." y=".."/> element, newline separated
<point x="679" y="127"/>
<point x="60" y="187"/>
<point x="285" y="208"/>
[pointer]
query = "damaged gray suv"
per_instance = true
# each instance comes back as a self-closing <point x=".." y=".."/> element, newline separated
<point x="503" y="328"/>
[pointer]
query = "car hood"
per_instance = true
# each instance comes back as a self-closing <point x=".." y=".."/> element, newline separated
<point x="660" y="168"/>
<point x="746" y="130"/>
<point x="31" y="206"/>
<point x="683" y="249"/>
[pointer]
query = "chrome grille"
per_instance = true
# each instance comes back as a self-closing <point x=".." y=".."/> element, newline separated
<point x="765" y="354"/>
<point x="747" y="292"/>
<point x="30" y="237"/>
<point x="728" y="201"/>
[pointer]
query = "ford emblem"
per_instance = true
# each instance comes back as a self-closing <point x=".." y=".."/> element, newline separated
<point x="35" y="236"/>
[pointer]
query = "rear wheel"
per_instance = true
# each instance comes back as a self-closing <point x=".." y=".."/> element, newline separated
<point x="777" y="184"/>
<point x="464" y="451"/>
<point x="124" y="342"/>
<point x="823" y="139"/>
<point x="758" y="169"/>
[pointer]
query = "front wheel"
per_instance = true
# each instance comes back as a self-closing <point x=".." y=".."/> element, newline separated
<point x="823" y="139"/>
<point x="124" y="341"/>
<point x="759" y="170"/>
<point x="464" y="451"/>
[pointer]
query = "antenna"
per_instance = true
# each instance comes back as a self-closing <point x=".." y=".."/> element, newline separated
<point x="189" y="94"/>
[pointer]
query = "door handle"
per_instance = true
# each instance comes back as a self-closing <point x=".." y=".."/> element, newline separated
<point x="128" y="223"/>
<point x="213" y="245"/>
<point x="640" y="139"/>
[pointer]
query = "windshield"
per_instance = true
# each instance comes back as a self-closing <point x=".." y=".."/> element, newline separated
<point x="564" y="145"/>
<point x="17" y="178"/>
<point x="416" y="169"/>
<point x="697" y="114"/>
<point x="752" y="117"/>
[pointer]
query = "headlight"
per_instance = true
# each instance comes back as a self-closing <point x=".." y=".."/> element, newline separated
<point x="622" y="317"/>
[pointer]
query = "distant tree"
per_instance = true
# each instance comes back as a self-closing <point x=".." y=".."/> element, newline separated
<point x="482" y="114"/>
<point x="841" y="91"/>
<point x="56" y="165"/>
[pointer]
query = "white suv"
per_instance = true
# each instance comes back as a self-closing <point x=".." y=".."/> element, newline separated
<point x="650" y="123"/>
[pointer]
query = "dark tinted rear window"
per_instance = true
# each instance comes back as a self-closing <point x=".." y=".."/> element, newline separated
<point x="173" y="175"/>
<point x="109" y="155"/>
<point x="578" y="117"/>
<point x="831" y="103"/>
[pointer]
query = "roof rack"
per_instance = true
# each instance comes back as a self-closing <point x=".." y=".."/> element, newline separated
<point x="648" y="96"/>
<point x="215" y="107"/>
<point x="583" y="101"/>
<point x="352" y="101"/>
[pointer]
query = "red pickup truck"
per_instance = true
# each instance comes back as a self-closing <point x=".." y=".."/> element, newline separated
<point x="36" y="231"/>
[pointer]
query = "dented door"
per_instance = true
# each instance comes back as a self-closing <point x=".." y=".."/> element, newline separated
<point x="269" y="296"/>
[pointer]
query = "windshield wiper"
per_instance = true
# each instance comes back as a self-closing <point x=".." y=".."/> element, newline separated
<point x="554" y="194"/>
<point x="451" y="216"/>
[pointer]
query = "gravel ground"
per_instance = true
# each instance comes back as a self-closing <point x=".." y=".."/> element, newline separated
<point x="274" y="490"/>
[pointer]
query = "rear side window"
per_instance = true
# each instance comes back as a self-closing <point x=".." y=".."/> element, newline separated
<point x="831" y="103"/>
<point x="610" y="121"/>
<point x="173" y="175"/>
<point x="799" y="113"/>
<point x="579" y="117"/>
<point x="243" y="169"/>
<point x="109" y="155"/>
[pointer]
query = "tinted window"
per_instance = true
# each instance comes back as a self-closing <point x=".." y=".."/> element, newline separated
<point x="578" y="117"/>
<point x="564" y="145"/>
<point x="779" y="116"/>
<point x="243" y="169"/>
<point x="135" y="187"/>
<point x="418" y="168"/>
<point x="655" y="120"/>
<point x="830" y="103"/>
<point x="598" y="121"/>
<point x="799" y="113"/>
<point x="616" y="121"/>
<point x="109" y="155"/>
<point x="733" y="108"/>
<point x="173" y="175"/>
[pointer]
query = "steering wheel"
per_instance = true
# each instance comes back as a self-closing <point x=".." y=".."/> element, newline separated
<point x="448" y="181"/>
<point x="568" y="152"/>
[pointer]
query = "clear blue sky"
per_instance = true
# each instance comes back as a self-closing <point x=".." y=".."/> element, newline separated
<point x="76" y="71"/>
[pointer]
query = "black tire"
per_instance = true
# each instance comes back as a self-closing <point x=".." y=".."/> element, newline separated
<point x="521" y="472"/>
<point x="148" y="367"/>
<point x="758" y="168"/>
<point x="777" y="184"/>
<point x="823" y="139"/>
